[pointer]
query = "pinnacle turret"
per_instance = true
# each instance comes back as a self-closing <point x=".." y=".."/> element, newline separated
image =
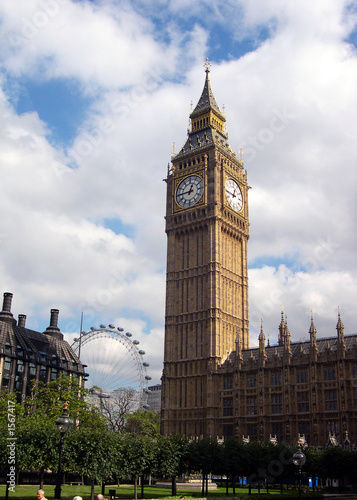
<point x="341" y="346"/>
<point x="313" y="342"/>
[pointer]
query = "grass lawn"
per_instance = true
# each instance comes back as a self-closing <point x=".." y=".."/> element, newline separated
<point x="28" y="492"/>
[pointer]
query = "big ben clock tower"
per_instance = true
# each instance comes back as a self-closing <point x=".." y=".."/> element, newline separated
<point x="207" y="274"/>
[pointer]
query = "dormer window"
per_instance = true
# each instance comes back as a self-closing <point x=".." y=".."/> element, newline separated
<point x="20" y="366"/>
<point x="7" y="364"/>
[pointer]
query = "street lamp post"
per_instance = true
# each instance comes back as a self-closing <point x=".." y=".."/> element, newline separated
<point x="299" y="460"/>
<point x="63" y="424"/>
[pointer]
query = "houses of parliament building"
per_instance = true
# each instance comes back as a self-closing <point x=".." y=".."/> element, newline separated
<point x="213" y="384"/>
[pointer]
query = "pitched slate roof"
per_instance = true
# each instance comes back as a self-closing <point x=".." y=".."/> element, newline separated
<point x="40" y="347"/>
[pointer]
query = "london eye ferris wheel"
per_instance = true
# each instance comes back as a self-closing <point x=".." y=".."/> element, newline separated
<point x="114" y="361"/>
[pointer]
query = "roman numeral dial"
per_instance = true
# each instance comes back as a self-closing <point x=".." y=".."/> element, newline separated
<point x="189" y="191"/>
<point x="234" y="195"/>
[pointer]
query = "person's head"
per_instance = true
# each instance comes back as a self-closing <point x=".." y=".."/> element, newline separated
<point x="40" y="494"/>
<point x="77" y="498"/>
<point x="100" y="497"/>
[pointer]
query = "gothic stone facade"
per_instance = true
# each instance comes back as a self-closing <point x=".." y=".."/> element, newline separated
<point x="293" y="389"/>
<point x="212" y="383"/>
<point x="27" y="355"/>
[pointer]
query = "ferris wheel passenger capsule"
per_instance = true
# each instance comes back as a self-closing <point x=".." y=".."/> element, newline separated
<point x="141" y="352"/>
<point x="102" y="326"/>
<point x="111" y="326"/>
<point x="128" y="334"/>
<point x="120" y="329"/>
<point x="136" y="342"/>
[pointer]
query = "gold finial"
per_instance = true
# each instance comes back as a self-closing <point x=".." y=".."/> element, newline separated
<point x="207" y="65"/>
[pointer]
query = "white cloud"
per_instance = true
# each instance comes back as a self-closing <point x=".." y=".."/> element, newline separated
<point x="298" y="295"/>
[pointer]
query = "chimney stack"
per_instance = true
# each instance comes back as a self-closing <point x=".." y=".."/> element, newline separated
<point x="54" y="319"/>
<point x="5" y="314"/>
<point x="53" y="329"/>
<point x="21" y="320"/>
<point x="6" y="305"/>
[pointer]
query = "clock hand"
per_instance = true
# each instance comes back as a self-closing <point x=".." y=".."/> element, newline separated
<point x="187" y="192"/>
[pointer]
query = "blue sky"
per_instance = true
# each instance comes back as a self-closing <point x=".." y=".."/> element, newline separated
<point x="59" y="103"/>
<point x="93" y="95"/>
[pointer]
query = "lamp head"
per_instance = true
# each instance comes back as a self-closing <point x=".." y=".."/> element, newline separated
<point x="299" y="458"/>
<point x="64" y="423"/>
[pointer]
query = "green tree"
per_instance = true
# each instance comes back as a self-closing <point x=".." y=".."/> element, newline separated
<point x="205" y="457"/>
<point x="143" y="423"/>
<point x="313" y="461"/>
<point x="92" y="453"/>
<point x="37" y="439"/>
<point x="37" y="446"/>
<point x="139" y="453"/>
<point x="333" y="463"/>
<point x="172" y="458"/>
<point x="46" y="402"/>
<point x="258" y="456"/>
<point x="233" y="458"/>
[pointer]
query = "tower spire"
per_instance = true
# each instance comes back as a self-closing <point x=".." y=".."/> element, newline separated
<point x="341" y="346"/>
<point x="313" y="343"/>
<point x="207" y="126"/>
<point x="262" y="353"/>
<point x="281" y="328"/>
<point x="207" y="101"/>
<point x="261" y="338"/>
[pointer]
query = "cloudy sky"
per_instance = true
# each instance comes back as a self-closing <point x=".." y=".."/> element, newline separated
<point x="93" y="95"/>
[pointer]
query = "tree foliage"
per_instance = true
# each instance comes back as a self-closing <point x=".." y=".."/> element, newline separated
<point x="37" y="445"/>
<point x="139" y="452"/>
<point x="46" y="402"/>
<point x="132" y="444"/>
<point x="92" y="452"/>
<point x="145" y="423"/>
<point x="172" y="456"/>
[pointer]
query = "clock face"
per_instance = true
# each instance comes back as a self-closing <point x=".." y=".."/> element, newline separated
<point x="189" y="191"/>
<point x="234" y="195"/>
